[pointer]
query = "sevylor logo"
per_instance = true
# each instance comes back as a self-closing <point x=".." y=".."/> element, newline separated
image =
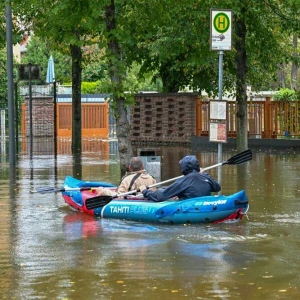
<point x="211" y="202"/>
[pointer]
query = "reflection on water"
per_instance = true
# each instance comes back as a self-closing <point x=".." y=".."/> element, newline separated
<point x="45" y="146"/>
<point x="50" y="251"/>
<point x="78" y="226"/>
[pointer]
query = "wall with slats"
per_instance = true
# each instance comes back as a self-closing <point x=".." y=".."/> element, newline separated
<point x="94" y="118"/>
<point x="163" y="118"/>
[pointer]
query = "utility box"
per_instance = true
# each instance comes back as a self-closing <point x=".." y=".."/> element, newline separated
<point x="152" y="166"/>
<point x="148" y="151"/>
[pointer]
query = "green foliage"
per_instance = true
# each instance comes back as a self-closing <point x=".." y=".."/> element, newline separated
<point x="3" y="79"/>
<point x="89" y="87"/>
<point x="2" y="25"/>
<point x="297" y="95"/>
<point x="133" y="83"/>
<point x="136" y="81"/>
<point x="39" y="51"/>
<point x="173" y="40"/>
<point x="170" y="39"/>
<point x="16" y="30"/>
<point x="93" y="71"/>
<point x="285" y="95"/>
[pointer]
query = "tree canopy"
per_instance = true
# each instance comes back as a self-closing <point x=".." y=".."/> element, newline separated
<point x="38" y="52"/>
<point x="3" y="80"/>
<point x="2" y="25"/>
<point x="171" y="39"/>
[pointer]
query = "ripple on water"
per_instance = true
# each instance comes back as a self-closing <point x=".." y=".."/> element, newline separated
<point x="293" y="218"/>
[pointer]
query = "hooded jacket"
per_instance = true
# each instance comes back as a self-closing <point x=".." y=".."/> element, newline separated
<point x="193" y="184"/>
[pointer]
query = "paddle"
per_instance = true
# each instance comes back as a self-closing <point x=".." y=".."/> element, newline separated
<point x="99" y="201"/>
<point x="51" y="189"/>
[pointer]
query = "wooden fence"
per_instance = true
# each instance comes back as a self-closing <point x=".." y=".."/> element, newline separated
<point x="266" y="119"/>
<point x="94" y="118"/>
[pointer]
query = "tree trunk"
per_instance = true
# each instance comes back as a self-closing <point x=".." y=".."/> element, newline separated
<point x="116" y="71"/>
<point x="76" y="54"/>
<point x="281" y="75"/>
<point x="241" y="88"/>
<point x="294" y="71"/>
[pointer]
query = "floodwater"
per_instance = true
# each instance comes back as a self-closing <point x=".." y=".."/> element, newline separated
<point x="48" y="251"/>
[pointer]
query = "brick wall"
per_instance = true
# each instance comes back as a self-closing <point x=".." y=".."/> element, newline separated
<point x="163" y="118"/>
<point x="94" y="118"/>
<point x="42" y="116"/>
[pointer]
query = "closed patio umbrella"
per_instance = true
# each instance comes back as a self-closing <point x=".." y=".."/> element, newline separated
<point x="50" y="78"/>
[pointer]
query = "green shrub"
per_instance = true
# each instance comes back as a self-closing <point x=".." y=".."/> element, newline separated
<point x="297" y="95"/>
<point x="285" y="95"/>
<point x="89" y="87"/>
<point x="97" y="87"/>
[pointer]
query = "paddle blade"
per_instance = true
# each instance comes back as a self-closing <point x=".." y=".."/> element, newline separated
<point x="239" y="158"/>
<point x="51" y="189"/>
<point x="97" y="201"/>
<point x="47" y="190"/>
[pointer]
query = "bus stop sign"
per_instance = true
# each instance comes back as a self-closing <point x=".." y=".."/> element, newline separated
<point x="221" y="29"/>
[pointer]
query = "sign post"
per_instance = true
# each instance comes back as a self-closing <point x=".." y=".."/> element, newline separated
<point x="10" y="86"/>
<point x="221" y="40"/>
<point x="30" y="72"/>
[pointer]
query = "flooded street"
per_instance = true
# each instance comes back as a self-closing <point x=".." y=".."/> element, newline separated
<point x="49" y="251"/>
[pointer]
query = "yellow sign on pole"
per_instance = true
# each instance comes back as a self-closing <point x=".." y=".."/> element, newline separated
<point x="221" y="29"/>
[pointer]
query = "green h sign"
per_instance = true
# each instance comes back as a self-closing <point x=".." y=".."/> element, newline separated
<point x="221" y="29"/>
<point x="221" y="22"/>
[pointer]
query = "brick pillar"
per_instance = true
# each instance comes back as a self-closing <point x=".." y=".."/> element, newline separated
<point x="163" y="118"/>
<point x="42" y="116"/>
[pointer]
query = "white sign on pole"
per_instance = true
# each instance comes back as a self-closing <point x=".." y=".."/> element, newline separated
<point x="218" y="132"/>
<point x="217" y="110"/>
<point x="221" y="29"/>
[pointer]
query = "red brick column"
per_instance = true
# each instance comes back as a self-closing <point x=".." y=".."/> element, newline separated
<point x="163" y="118"/>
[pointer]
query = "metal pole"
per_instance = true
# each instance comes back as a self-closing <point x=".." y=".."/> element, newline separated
<point x="55" y="120"/>
<point x="3" y="130"/>
<point x="10" y="86"/>
<point x="220" y="98"/>
<point x="220" y="74"/>
<point x="17" y="116"/>
<point x="30" y="112"/>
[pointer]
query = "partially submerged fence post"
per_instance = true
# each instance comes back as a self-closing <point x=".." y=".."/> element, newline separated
<point x="267" y="118"/>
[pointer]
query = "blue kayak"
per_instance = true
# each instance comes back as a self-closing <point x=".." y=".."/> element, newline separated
<point x="208" y="209"/>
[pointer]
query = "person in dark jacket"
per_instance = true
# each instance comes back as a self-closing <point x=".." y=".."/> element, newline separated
<point x="195" y="183"/>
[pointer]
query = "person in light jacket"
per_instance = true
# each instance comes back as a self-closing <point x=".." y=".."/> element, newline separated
<point x="195" y="183"/>
<point x="136" y="177"/>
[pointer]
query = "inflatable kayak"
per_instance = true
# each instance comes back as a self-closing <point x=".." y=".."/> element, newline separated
<point x="208" y="209"/>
